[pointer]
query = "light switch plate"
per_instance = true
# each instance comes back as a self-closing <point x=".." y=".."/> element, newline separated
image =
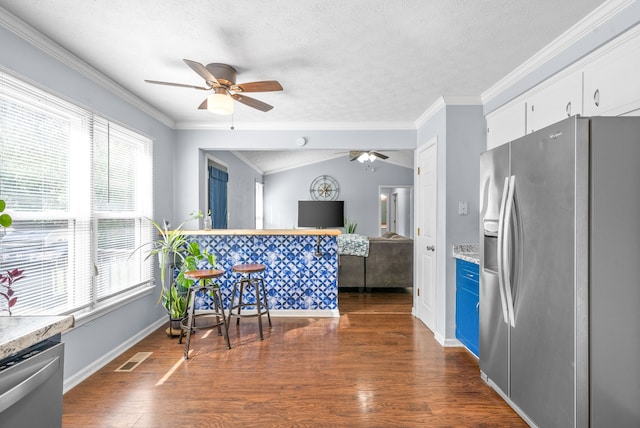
<point x="463" y="208"/>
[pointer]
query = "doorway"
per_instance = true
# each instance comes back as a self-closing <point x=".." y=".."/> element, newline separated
<point x="217" y="179"/>
<point x="396" y="209"/>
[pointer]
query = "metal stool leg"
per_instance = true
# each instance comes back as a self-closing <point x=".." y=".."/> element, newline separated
<point x="191" y="300"/>
<point x="218" y="300"/>
<point x="215" y="294"/>
<point x="258" y="304"/>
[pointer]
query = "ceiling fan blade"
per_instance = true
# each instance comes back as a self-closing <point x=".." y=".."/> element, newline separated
<point x="263" y="86"/>
<point x="203" y="105"/>
<point x="202" y="71"/>
<point x="180" y="85"/>
<point x="252" y="102"/>
<point x="354" y="154"/>
<point x="380" y="155"/>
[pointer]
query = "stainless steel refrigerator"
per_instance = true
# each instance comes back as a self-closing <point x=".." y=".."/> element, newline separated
<point x="560" y="273"/>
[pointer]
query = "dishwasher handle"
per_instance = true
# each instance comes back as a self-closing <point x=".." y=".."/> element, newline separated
<point x="27" y="386"/>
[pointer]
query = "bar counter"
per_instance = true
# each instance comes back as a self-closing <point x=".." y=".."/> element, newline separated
<point x="302" y="266"/>
<point x="265" y="232"/>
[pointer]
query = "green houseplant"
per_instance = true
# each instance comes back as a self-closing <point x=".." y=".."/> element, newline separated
<point x="7" y="279"/>
<point x="349" y="226"/>
<point x="174" y="250"/>
<point x="174" y="299"/>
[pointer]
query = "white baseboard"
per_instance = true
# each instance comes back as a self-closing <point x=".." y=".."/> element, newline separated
<point x="83" y="374"/>
<point x="447" y="342"/>
<point x="305" y="313"/>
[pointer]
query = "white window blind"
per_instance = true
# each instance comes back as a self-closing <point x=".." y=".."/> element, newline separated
<point x="78" y="189"/>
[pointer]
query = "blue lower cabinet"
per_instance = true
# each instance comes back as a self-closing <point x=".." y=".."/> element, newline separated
<point x="467" y="307"/>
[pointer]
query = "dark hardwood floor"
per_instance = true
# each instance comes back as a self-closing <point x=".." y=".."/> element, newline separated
<point x="375" y="366"/>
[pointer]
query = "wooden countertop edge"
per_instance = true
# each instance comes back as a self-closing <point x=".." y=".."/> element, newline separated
<point x="266" y="232"/>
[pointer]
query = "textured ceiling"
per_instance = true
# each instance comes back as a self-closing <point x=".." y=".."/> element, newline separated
<point x="358" y="61"/>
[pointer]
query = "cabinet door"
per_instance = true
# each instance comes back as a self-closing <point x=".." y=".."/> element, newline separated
<point x="611" y="82"/>
<point x="554" y="102"/>
<point x="467" y="316"/>
<point x="506" y="124"/>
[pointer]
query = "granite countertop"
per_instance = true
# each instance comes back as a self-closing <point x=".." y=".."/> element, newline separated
<point x="18" y="333"/>
<point x="467" y="252"/>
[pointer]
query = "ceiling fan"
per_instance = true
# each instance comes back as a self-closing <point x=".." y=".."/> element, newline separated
<point x="363" y="156"/>
<point x="221" y="79"/>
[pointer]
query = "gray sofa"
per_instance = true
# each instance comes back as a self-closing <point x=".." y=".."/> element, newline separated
<point x="389" y="264"/>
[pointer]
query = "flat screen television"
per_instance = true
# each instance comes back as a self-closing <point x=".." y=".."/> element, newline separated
<point x="320" y="214"/>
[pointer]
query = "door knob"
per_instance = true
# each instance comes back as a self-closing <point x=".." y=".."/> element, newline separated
<point x="431" y="248"/>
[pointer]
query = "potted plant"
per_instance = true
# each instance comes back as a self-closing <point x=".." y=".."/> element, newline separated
<point x="170" y="247"/>
<point x="349" y="226"/>
<point x="174" y="298"/>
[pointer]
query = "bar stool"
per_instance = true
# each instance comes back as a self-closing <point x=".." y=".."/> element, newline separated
<point x="188" y="322"/>
<point x="261" y="304"/>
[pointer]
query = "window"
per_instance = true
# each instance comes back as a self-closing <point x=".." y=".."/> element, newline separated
<point x="78" y="189"/>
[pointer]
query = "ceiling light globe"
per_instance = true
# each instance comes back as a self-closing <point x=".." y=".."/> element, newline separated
<point x="220" y="102"/>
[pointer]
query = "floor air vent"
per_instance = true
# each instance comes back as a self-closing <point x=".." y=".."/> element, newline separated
<point x="133" y="362"/>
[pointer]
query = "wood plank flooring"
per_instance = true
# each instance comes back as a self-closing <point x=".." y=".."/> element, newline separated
<point x="375" y="366"/>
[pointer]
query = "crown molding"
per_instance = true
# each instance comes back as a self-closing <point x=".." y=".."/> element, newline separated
<point x="48" y="46"/>
<point x="444" y="101"/>
<point x="596" y="18"/>
<point x="298" y="126"/>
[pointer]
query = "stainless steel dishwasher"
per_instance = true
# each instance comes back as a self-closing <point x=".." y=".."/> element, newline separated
<point x="31" y="386"/>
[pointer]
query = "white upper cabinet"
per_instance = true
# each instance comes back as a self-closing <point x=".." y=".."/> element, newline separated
<point x="612" y="81"/>
<point x="506" y="124"/>
<point x="554" y="101"/>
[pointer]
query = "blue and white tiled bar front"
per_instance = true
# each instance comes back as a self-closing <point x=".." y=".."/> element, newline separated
<point x="298" y="282"/>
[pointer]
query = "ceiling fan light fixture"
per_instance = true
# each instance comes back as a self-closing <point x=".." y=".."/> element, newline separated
<point x="363" y="157"/>
<point x="372" y="157"/>
<point x="220" y="102"/>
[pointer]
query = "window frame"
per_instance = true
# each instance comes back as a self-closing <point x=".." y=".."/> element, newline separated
<point x="81" y="204"/>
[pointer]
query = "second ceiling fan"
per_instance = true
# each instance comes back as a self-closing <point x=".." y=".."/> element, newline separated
<point x="363" y="156"/>
<point x="221" y="79"/>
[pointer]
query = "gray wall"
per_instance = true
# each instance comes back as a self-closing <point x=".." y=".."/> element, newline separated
<point x="188" y="163"/>
<point x="358" y="188"/>
<point x="241" y="202"/>
<point x="460" y="131"/>
<point x="94" y="343"/>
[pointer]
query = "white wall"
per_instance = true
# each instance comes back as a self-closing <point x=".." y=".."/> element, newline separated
<point x="358" y="188"/>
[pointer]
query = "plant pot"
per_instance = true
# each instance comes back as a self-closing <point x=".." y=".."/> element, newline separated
<point x="174" y="329"/>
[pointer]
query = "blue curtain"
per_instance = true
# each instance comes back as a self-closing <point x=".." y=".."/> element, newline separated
<point x="218" y="197"/>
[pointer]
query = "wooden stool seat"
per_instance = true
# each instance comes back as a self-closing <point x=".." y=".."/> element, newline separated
<point x="187" y="323"/>
<point x="203" y="274"/>
<point x="261" y="305"/>
<point x="249" y="268"/>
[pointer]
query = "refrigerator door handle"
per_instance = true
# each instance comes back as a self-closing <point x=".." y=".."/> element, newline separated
<point x="500" y="250"/>
<point x="506" y="260"/>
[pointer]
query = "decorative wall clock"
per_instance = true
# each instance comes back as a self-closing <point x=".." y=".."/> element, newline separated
<point x="324" y="188"/>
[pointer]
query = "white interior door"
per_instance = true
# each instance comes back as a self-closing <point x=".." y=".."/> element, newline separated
<point x="425" y="291"/>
